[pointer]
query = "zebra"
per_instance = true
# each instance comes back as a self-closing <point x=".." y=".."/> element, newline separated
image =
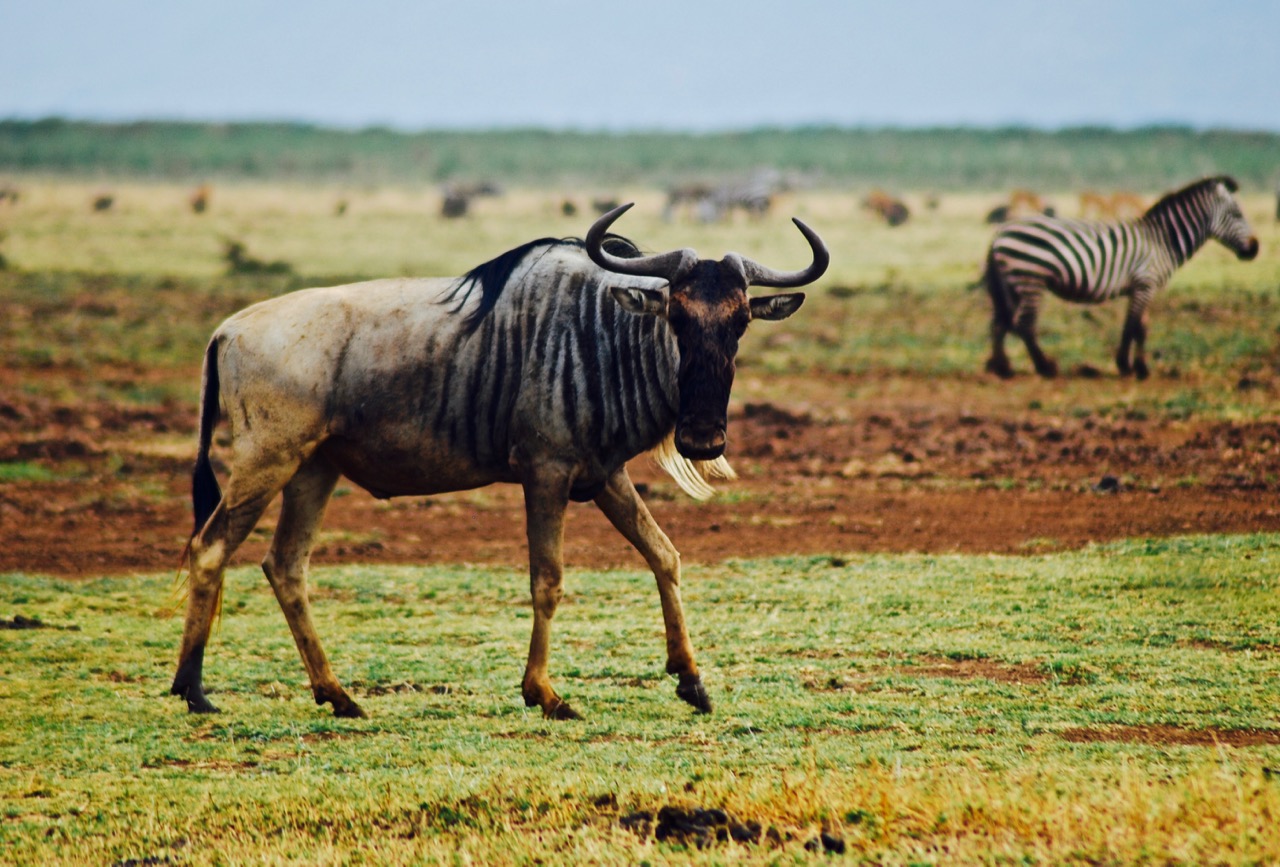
<point x="549" y="366"/>
<point x="1092" y="262"/>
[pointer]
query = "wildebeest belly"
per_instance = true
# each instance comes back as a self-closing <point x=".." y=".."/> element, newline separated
<point x="395" y="471"/>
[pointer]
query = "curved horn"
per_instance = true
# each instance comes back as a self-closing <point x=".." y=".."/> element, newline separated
<point x="668" y="266"/>
<point x="759" y="275"/>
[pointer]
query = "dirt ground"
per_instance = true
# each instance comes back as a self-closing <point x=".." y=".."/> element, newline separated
<point x="879" y="478"/>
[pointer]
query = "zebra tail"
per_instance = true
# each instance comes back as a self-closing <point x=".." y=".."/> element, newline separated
<point x="205" y="493"/>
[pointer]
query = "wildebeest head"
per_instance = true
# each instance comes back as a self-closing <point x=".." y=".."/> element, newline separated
<point x="706" y="304"/>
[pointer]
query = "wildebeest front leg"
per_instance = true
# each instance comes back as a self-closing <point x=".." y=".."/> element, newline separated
<point x="305" y="499"/>
<point x="546" y="495"/>
<point x="627" y="512"/>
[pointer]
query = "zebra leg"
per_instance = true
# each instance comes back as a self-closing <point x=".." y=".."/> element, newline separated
<point x="241" y="506"/>
<point x="305" y="499"/>
<point x="623" y="507"/>
<point x="1024" y="323"/>
<point x="1135" y="336"/>
<point x="1001" y="319"/>
<point x="998" y="363"/>
<point x="546" y="495"/>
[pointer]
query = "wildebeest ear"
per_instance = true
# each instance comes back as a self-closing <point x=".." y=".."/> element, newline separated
<point x="652" y="302"/>
<point x="776" y="306"/>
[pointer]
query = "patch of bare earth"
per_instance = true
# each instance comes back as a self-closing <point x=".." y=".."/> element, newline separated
<point x="909" y="477"/>
<point x="1167" y="735"/>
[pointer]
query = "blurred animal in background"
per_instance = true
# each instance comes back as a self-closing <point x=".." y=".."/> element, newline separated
<point x="1093" y="261"/>
<point x="550" y="367"/>
<point x="892" y="210"/>
<point x="10" y="195"/>
<point x="340" y="208"/>
<point x="604" y="204"/>
<point x="710" y="203"/>
<point x="103" y="202"/>
<point x="1021" y="203"/>
<point x="568" y="208"/>
<point x="240" y="262"/>
<point x="459" y="196"/>
<point x="199" y="200"/>
<point x="1104" y="206"/>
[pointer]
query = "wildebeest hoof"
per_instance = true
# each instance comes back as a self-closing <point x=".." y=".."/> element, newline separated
<point x="1048" y="370"/>
<point x="691" y="690"/>
<point x="349" y="710"/>
<point x="197" y="703"/>
<point x="558" y="709"/>
<point x="1140" y="370"/>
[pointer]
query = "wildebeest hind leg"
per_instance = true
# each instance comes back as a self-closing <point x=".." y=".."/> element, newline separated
<point x="305" y="499"/>
<point x="623" y="507"/>
<point x="211" y="548"/>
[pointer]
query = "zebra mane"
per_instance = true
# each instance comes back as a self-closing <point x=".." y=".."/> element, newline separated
<point x="493" y="276"/>
<point x="1191" y="190"/>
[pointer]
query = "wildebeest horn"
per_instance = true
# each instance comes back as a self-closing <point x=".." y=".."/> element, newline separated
<point x="759" y="275"/>
<point x="668" y="266"/>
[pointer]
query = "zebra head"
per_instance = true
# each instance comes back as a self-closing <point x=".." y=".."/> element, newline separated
<point x="705" y="303"/>
<point x="1227" y="223"/>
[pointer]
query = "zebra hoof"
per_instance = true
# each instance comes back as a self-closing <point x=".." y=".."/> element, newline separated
<point x="1000" y="367"/>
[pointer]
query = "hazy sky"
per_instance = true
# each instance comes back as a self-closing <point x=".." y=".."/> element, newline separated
<point x="649" y="64"/>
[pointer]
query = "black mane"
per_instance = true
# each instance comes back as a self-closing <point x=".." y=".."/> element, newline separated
<point x="493" y="276"/>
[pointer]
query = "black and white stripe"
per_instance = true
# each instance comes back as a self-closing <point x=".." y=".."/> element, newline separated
<point x="1091" y="262"/>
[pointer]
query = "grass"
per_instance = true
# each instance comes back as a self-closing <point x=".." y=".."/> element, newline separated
<point x="922" y="709"/>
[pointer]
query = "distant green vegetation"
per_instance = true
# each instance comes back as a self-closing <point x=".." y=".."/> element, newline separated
<point x="946" y="159"/>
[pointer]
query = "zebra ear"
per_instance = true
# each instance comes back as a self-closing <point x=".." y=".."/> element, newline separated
<point x="776" y="306"/>
<point x="648" y="302"/>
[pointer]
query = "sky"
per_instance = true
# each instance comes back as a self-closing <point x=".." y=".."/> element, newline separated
<point x="647" y="65"/>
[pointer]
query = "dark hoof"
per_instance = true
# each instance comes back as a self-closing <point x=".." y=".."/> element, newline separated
<point x="1000" y="367"/>
<point x="691" y="690"/>
<point x="1048" y="370"/>
<point x="1140" y="370"/>
<point x="349" y="710"/>
<point x="343" y="706"/>
<point x="193" y="695"/>
<point x="559" y="709"/>
<point x="196" y="702"/>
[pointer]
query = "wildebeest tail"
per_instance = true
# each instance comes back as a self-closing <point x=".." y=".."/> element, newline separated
<point x="205" y="493"/>
<point x="999" y="291"/>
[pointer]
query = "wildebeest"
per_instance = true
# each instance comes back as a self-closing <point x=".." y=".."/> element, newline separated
<point x="549" y="367"/>
<point x="458" y="197"/>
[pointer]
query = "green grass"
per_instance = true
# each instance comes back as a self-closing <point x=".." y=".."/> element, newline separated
<point x="922" y="708"/>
